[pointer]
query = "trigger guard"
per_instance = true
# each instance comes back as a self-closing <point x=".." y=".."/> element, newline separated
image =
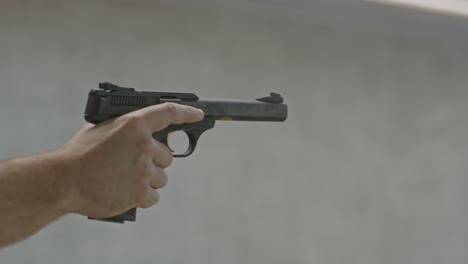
<point x="193" y="132"/>
<point x="193" y="139"/>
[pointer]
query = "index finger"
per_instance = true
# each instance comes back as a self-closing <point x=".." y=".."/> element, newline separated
<point x="160" y="116"/>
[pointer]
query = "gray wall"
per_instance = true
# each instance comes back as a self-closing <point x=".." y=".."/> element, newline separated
<point x="369" y="168"/>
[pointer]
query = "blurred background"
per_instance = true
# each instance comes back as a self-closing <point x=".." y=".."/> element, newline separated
<point x="370" y="166"/>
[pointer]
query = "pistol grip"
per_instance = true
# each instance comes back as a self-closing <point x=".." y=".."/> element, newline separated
<point x="130" y="215"/>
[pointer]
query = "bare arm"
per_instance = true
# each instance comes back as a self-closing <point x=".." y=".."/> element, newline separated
<point x="32" y="194"/>
<point x="102" y="171"/>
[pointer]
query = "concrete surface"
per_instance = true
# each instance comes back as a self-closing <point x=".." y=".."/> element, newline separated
<point x="370" y="167"/>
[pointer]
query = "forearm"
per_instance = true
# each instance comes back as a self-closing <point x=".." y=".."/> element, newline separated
<point x="32" y="194"/>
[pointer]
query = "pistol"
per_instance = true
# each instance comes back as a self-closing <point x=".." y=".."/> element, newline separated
<point x="111" y="101"/>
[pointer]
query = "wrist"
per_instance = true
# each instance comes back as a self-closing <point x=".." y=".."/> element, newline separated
<point x="61" y="170"/>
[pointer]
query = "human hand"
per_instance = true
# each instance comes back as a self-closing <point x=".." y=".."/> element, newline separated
<point x="117" y="165"/>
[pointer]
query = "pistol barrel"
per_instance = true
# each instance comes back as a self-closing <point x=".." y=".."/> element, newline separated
<point x="241" y="110"/>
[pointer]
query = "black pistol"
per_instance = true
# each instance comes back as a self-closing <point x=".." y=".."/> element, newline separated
<point x="111" y="101"/>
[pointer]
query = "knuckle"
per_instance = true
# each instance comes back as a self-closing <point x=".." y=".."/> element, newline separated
<point x="190" y="110"/>
<point x="162" y="180"/>
<point x="169" y="161"/>
<point x="145" y="144"/>
<point x="142" y="182"/>
<point x="142" y="195"/>
<point x="142" y="173"/>
<point x="171" y="108"/>
<point x="132" y="122"/>
<point x="141" y="170"/>
<point x="166" y="161"/>
<point x="163" y="156"/>
<point x="151" y="197"/>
